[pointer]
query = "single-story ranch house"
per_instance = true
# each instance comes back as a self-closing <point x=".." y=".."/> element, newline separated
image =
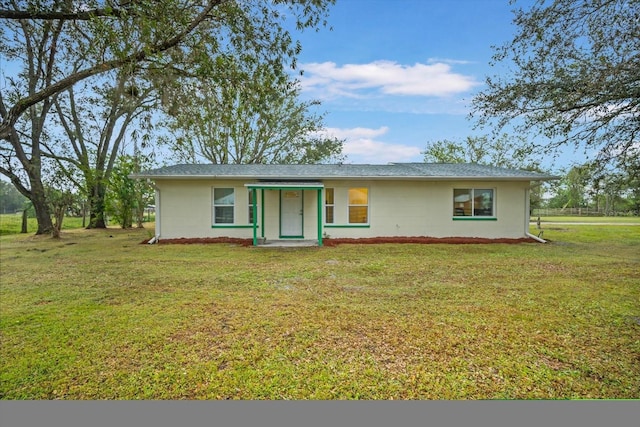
<point x="273" y="202"/>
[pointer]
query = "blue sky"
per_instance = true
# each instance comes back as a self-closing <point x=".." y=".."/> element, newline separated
<point x="394" y="75"/>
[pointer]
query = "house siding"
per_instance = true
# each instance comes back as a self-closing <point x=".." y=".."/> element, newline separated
<point x="396" y="208"/>
<point x="414" y="208"/>
<point x="187" y="208"/>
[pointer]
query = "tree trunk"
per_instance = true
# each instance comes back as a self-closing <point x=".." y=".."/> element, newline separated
<point x="55" y="233"/>
<point x="45" y="224"/>
<point x="139" y="210"/>
<point x="40" y="205"/>
<point x="24" y="221"/>
<point x="35" y="193"/>
<point x="84" y="214"/>
<point x="96" y="220"/>
<point x="59" y="217"/>
<point x="96" y="207"/>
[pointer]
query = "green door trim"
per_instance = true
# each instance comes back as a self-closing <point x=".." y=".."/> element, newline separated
<point x="274" y="185"/>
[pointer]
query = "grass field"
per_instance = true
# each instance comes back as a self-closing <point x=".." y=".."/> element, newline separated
<point x="96" y="315"/>
<point x="591" y="219"/>
<point x="12" y="224"/>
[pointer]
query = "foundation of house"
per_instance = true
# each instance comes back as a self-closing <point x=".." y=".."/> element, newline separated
<point x="287" y="243"/>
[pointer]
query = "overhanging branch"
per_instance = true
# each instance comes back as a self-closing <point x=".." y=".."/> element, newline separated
<point x="23" y="104"/>
<point x="49" y="15"/>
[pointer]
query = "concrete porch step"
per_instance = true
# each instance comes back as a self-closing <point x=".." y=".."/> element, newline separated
<point x="287" y="243"/>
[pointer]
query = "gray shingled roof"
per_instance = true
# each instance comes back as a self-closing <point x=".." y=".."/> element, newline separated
<point x="424" y="171"/>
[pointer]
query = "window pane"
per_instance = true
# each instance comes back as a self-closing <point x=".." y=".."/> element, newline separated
<point x="328" y="196"/>
<point x="223" y="215"/>
<point x="358" y="214"/>
<point x="358" y="196"/>
<point x="223" y="196"/>
<point x="328" y="217"/>
<point x="462" y="202"/>
<point x="483" y="202"/>
<point x="251" y="206"/>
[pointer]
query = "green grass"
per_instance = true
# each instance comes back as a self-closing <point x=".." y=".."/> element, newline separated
<point x="96" y="315"/>
<point x="590" y="219"/>
<point x="12" y="224"/>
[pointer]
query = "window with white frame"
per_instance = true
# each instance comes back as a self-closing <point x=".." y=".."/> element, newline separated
<point x="223" y="204"/>
<point x="473" y="202"/>
<point x="329" y="205"/>
<point x="358" y="206"/>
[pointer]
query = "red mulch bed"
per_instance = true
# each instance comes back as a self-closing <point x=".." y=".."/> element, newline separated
<point x="425" y="240"/>
<point x="361" y="241"/>
<point x="204" y="240"/>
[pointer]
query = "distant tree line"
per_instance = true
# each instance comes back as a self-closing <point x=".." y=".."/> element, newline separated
<point x="11" y="201"/>
<point x="606" y="192"/>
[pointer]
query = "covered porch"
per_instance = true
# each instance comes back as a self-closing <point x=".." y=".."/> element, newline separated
<point x="290" y="212"/>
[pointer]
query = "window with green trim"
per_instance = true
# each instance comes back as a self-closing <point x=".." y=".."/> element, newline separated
<point x="473" y="202"/>
<point x="329" y="205"/>
<point x="223" y="204"/>
<point x="358" y="206"/>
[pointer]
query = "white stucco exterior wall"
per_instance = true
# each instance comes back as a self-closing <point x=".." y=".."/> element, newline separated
<point x="425" y="208"/>
<point x="187" y="209"/>
<point x="396" y="208"/>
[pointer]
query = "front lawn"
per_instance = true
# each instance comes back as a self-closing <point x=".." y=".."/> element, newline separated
<point x="96" y="315"/>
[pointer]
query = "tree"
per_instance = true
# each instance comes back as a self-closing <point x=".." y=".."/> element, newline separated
<point x="631" y="169"/>
<point x="504" y="151"/>
<point x="11" y="201"/>
<point x="250" y="113"/>
<point x="127" y="198"/>
<point x="617" y="189"/>
<point x="576" y="182"/>
<point x="184" y="36"/>
<point x="154" y="29"/>
<point x="571" y="191"/>
<point x="95" y="126"/>
<point x="60" y="195"/>
<point x="570" y="75"/>
<point x="20" y="150"/>
<point x="60" y="201"/>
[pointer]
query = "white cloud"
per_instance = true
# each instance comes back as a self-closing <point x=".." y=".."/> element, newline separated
<point x="356" y="133"/>
<point x="361" y="146"/>
<point x="384" y="77"/>
<point x="449" y="61"/>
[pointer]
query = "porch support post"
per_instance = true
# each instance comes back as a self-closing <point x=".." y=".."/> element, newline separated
<point x="319" y="216"/>
<point x="254" y="207"/>
<point x="262" y="212"/>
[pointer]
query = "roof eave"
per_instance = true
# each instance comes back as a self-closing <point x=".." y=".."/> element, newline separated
<point x="353" y="178"/>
